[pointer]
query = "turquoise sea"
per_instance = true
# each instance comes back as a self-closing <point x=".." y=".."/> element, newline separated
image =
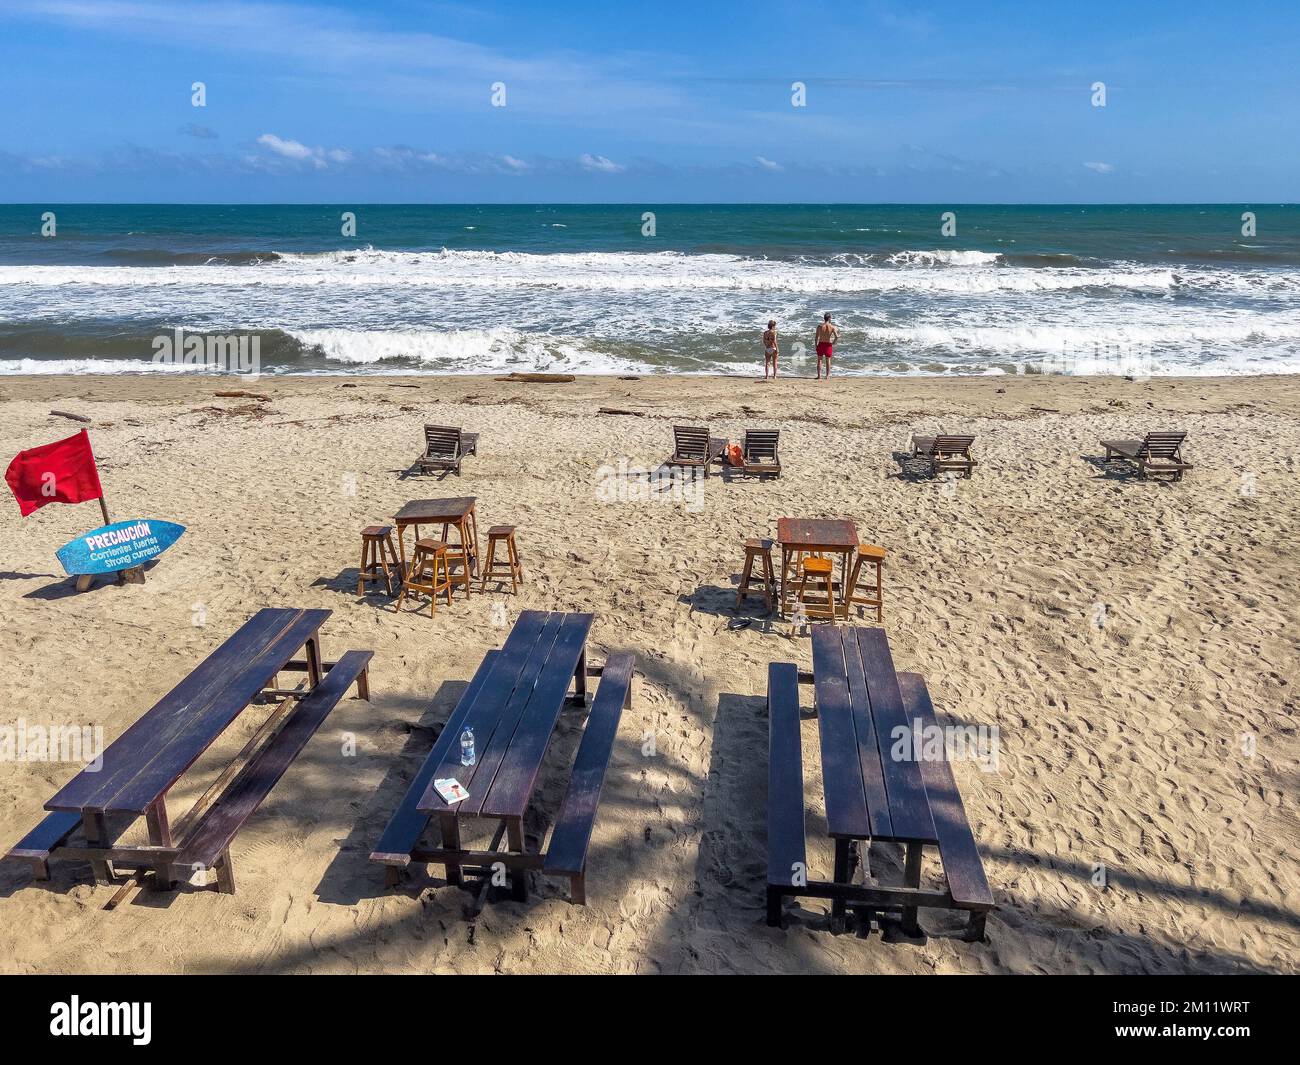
<point x="1130" y="289"/>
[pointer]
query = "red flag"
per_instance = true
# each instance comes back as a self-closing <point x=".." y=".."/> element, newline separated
<point x="61" y="472"/>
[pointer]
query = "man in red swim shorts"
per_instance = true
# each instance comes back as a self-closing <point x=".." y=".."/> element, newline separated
<point x="827" y="334"/>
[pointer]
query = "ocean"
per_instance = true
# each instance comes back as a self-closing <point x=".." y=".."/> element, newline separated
<point x="1137" y="290"/>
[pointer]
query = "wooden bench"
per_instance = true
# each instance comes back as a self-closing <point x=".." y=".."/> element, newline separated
<point x="968" y="887"/>
<point x="1156" y="453"/>
<point x="945" y="452"/>
<point x="512" y="707"/>
<point x="207" y="844"/>
<point x="35" y="847"/>
<point x="445" y="446"/>
<point x="567" y="852"/>
<point x="787" y="861"/>
<point x="402" y="836"/>
<point x="135" y="773"/>
<point x="874" y="793"/>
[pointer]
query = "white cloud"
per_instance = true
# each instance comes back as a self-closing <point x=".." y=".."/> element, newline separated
<point x="288" y="148"/>
<point x="766" y="164"/>
<point x="300" y="153"/>
<point x="513" y="163"/>
<point x="1100" y="168"/>
<point x="600" y="163"/>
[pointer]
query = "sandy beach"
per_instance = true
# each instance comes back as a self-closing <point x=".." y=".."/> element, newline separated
<point x="1134" y="643"/>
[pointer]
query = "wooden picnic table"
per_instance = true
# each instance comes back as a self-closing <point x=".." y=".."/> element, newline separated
<point x="138" y="769"/>
<point x="512" y="707"/>
<point x="827" y="536"/>
<point x="866" y="715"/>
<point x="456" y="512"/>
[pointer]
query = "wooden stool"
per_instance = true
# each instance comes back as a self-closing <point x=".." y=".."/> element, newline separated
<point x="429" y="574"/>
<point x="820" y="570"/>
<point x="377" y="556"/>
<point x="510" y="564"/>
<point x="870" y="555"/>
<point x="761" y="549"/>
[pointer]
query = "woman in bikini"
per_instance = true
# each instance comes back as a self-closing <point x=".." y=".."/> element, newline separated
<point x="769" y="349"/>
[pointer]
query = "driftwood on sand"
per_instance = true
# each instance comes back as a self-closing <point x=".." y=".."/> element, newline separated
<point x="539" y="378"/>
<point x="66" y="414"/>
<point x="243" y="394"/>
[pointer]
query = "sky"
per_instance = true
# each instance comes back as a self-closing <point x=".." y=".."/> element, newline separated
<point x="663" y="102"/>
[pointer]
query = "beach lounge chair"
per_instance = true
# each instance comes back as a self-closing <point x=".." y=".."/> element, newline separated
<point x="444" y="447"/>
<point x="945" y="452"/>
<point x="693" y="447"/>
<point x="1158" y="453"/>
<point x="759" y="454"/>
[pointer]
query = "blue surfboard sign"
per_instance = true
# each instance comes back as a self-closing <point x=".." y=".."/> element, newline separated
<point x="122" y="545"/>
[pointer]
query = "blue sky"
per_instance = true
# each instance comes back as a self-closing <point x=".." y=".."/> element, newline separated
<point x="606" y="102"/>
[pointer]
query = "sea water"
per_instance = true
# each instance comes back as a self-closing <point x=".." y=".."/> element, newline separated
<point x="1129" y="289"/>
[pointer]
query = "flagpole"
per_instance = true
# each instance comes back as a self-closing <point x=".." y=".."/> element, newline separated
<point x="136" y="571"/>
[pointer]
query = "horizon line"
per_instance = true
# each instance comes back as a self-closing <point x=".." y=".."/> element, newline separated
<point x="647" y="202"/>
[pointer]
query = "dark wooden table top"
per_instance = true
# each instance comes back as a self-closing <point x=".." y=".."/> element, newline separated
<point x="149" y="757"/>
<point x="513" y="715"/>
<point x="432" y="511"/>
<point x="870" y="794"/>
<point x="817" y="533"/>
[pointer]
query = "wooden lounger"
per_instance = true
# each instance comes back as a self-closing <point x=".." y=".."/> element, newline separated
<point x="1158" y="453"/>
<point x="445" y="446"/>
<point x="760" y="456"/>
<point x="693" y="447"/>
<point x="945" y="452"/>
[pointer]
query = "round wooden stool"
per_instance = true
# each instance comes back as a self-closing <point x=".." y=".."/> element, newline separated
<point x="874" y="595"/>
<point x="761" y="550"/>
<point x="508" y="566"/>
<point x="378" y="558"/>
<point x="819" y="570"/>
<point x="429" y="574"/>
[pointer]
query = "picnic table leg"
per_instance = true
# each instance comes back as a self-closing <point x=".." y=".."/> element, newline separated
<point x="515" y="840"/>
<point x="92" y="822"/>
<point x="225" y="874"/>
<point x="160" y="835"/>
<point x="451" y="842"/>
<point x="841" y="877"/>
<point x="912" y="879"/>
<point x="313" y="660"/>
<point x="580" y="678"/>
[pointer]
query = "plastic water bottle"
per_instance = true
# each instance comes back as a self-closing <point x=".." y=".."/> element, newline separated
<point x="467" y="756"/>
